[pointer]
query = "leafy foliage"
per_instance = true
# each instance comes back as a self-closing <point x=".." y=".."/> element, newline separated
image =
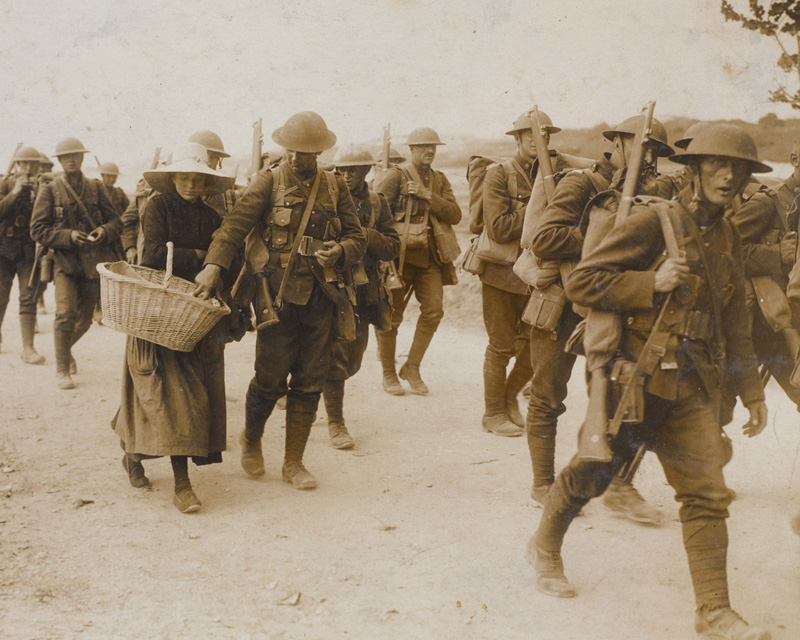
<point x="779" y="21"/>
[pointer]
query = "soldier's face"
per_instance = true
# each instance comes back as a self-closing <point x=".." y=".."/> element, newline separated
<point x="722" y="178"/>
<point x="30" y="169"/>
<point x="353" y="176"/>
<point x="650" y="151"/>
<point x="214" y="160"/>
<point x="301" y="161"/>
<point x="109" y="179"/>
<point x="71" y="162"/>
<point x="422" y="155"/>
<point x="527" y="144"/>
<point x="190" y="186"/>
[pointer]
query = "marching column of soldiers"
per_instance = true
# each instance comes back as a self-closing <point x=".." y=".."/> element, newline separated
<point x="680" y="291"/>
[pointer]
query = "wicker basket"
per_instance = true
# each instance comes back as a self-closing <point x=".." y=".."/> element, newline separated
<point x="156" y="306"/>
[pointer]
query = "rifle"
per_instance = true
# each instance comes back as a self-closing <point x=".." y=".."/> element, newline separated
<point x="156" y="158"/>
<point x="603" y="329"/>
<point x="258" y="139"/>
<point x="13" y="159"/>
<point x="543" y="154"/>
<point x="386" y="148"/>
<point x="97" y="160"/>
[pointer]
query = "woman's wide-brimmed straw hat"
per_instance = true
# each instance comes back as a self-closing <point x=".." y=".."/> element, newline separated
<point x="190" y="158"/>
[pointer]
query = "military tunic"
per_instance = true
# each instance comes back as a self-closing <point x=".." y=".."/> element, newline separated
<point x="17" y="249"/>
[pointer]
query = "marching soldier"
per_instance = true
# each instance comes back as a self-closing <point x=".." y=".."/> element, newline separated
<point x="306" y="234"/>
<point x="73" y="216"/>
<point x="353" y="162"/>
<point x="425" y="209"/>
<point x="767" y="223"/>
<point x="681" y="300"/>
<point x="506" y="190"/>
<point x="17" y="249"/>
<point x="109" y="173"/>
<point x="559" y="240"/>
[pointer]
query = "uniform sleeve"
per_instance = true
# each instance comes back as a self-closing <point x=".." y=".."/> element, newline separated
<point x="390" y="187"/>
<point x="7" y="201"/>
<point x="501" y="218"/>
<point x="123" y="198"/>
<point x="616" y="275"/>
<point x="754" y="219"/>
<point x="255" y="202"/>
<point x="130" y="224"/>
<point x="112" y="223"/>
<point x="43" y="224"/>
<point x="444" y="206"/>
<point x="558" y="235"/>
<point x="383" y="242"/>
<point x="353" y="239"/>
<point x="742" y="363"/>
<point x="156" y="235"/>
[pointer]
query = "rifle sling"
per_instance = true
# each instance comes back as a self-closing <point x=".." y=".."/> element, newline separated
<point x="298" y="237"/>
<point x="414" y="174"/>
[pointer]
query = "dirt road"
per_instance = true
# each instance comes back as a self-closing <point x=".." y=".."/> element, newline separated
<point x="418" y="532"/>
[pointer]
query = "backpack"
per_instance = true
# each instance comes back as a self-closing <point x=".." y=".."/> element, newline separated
<point x="476" y="174"/>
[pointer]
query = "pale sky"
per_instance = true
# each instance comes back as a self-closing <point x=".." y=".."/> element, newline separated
<point x="127" y="76"/>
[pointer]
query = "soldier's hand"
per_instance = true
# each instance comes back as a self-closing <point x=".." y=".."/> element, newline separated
<point x="758" y="419"/>
<point x="21" y="181"/>
<point x="418" y="190"/>
<point x="328" y="257"/>
<point x="130" y="255"/>
<point x="208" y="281"/>
<point x="80" y="238"/>
<point x="671" y="273"/>
<point x="98" y="235"/>
<point x="788" y="248"/>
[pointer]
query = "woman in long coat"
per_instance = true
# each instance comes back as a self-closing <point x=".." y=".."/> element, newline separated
<point x="173" y="402"/>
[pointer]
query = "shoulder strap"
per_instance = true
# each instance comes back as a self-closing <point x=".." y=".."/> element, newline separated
<point x="512" y="170"/>
<point x="598" y="182"/>
<point x="333" y="189"/>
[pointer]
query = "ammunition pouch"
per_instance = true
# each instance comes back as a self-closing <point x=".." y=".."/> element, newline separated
<point x="46" y="267"/>
<point x="622" y="375"/>
<point x="545" y="307"/>
<point x="688" y="323"/>
<point x="471" y="262"/>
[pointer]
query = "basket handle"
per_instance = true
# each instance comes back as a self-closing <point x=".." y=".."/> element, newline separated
<point x="170" y="252"/>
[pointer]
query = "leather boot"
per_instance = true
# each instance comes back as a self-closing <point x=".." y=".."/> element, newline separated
<point x="544" y="547"/>
<point x="410" y="373"/>
<point x="622" y="498"/>
<point x="387" y="344"/>
<point x="258" y="408"/>
<point x="494" y="418"/>
<point x="726" y="624"/>
<point x="184" y="498"/>
<point x="518" y="377"/>
<point x="300" y="413"/>
<point x="410" y="370"/>
<point x="333" y="394"/>
<point x="62" y="341"/>
<point x="27" y="327"/>
<point x="135" y="472"/>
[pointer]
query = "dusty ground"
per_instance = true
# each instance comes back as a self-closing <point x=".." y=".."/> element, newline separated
<point x="417" y="533"/>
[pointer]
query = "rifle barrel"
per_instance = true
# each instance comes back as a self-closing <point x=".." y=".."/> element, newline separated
<point x="635" y="163"/>
<point x="543" y="154"/>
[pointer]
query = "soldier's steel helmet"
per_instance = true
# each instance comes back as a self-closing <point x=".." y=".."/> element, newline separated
<point x="353" y="155"/>
<point x="69" y="145"/>
<point x="690" y="133"/>
<point x="305" y="132"/>
<point x="191" y="158"/>
<point x="423" y="135"/>
<point x="45" y="162"/>
<point x="395" y="156"/>
<point x="631" y="127"/>
<point x="109" y="169"/>
<point x="27" y="154"/>
<point x="523" y="123"/>
<point x="725" y="140"/>
<point x="210" y="141"/>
